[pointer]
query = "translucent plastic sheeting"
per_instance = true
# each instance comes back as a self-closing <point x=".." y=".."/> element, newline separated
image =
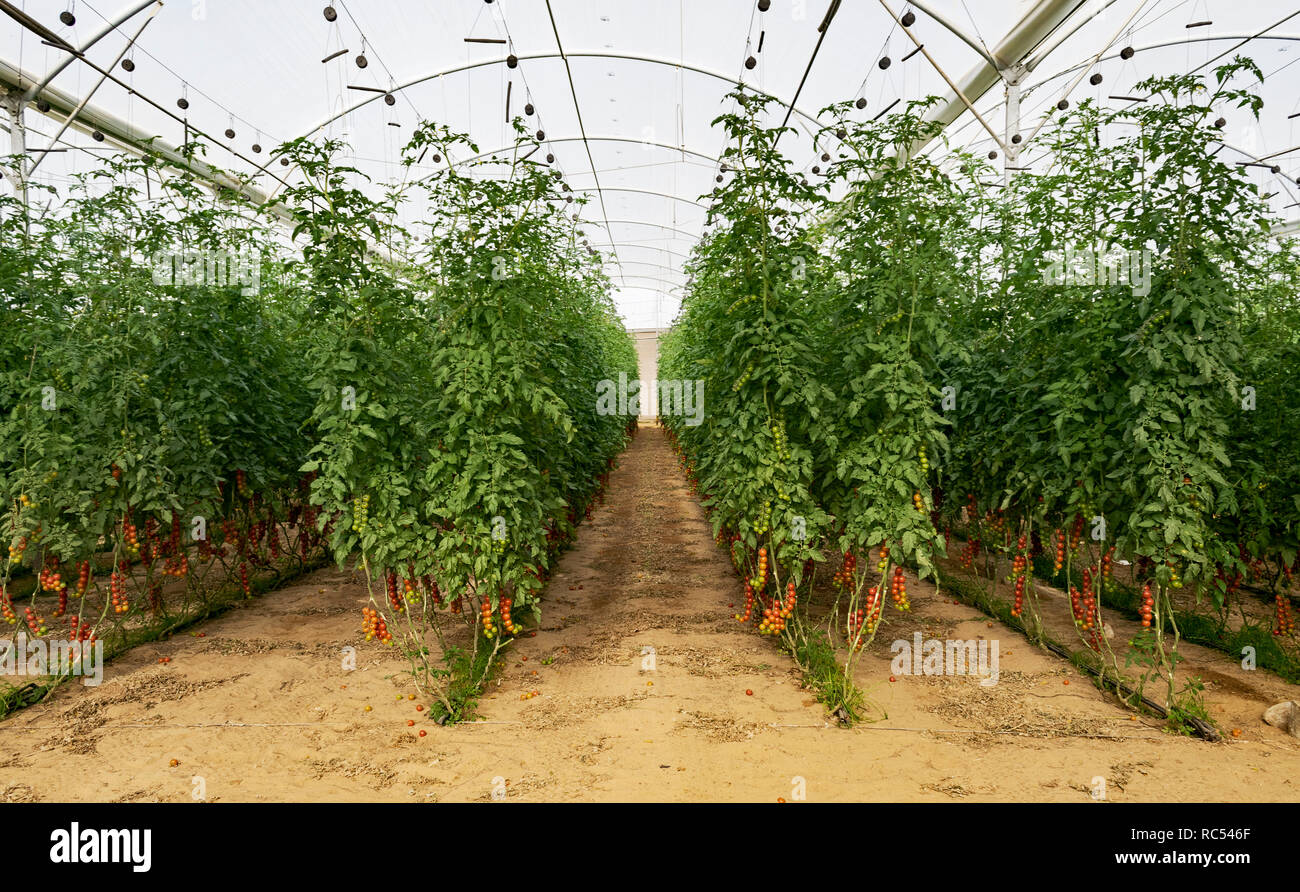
<point x="255" y="68"/>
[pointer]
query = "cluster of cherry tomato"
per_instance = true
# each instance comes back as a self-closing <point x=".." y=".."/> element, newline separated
<point x="1283" y="621"/>
<point x="117" y="592"/>
<point x="743" y="379"/>
<point x="862" y="625"/>
<point x="375" y="627"/>
<point x="434" y="592"/>
<point x="1148" y="606"/>
<point x="51" y="580"/>
<point x="1018" y="566"/>
<point x="1083" y="606"/>
<point x="781" y="441"/>
<point x="774" y="617"/>
<point x="7" y="607"/>
<point x="1175" y="581"/>
<point x="34" y="622"/>
<point x="390" y="589"/>
<point x="1108" y="567"/>
<point x="844" y="576"/>
<point x="506" y="622"/>
<point x="898" y="590"/>
<point x="969" y="552"/>
<point x="131" y="537"/>
<point x="177" y="566"/>
<point x="749" y="603"/>
<point x="760" y="581"/>
<point x="360" y="514"/>
<point x="80" y="631"/>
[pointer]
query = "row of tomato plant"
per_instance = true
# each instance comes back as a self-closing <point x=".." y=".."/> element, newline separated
<point x="151" y="428"/>
<point x="456" y="411"/>
<point x="894" y="355"/>
<point x="195" y="399"/>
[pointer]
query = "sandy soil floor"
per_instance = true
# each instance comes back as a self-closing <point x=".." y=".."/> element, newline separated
<point x="261" y="709"/>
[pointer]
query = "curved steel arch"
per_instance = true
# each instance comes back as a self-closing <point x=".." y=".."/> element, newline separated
<point x="641" y="246"/>
<point x="483" y="63"/>
<point x="643" y="192"/>
<point x="642" y="142"/>
<point x="683" y="232"/>
<point x="659" y="266"/>
<point x="654" y="279"/>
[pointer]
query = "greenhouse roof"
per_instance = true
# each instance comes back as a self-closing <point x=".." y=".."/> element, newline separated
<point x="623" y="93"/>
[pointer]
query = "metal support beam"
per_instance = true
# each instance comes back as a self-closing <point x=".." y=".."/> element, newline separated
<point x="658" y="266"/>
<point x="642" y="246"/>
<point x="1036" y="26"/>
<point x="1011" y="141"/>
<point x="665" y="287"/>
<point x="131" y="137"/>
<point x="13" y="104"/>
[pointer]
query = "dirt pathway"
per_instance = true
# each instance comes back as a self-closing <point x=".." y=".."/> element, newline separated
<point x="643" y="680"/>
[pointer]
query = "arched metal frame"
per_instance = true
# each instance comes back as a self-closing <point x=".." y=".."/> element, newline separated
<point x="686" y="235"/>
<point x="483" y="63"/>
<point x="642" y="192"/>
<point x="658" y="266"/>
<point x="678" y="64"/>
<point x="641" y="246"/>
<point x="624" y="139"/>
<point x="135" y="7"/>
<point x="653" y="279"/>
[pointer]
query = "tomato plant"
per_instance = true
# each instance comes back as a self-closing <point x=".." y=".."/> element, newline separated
<point x="153" y="421"/>
<point x="456" y="371"/>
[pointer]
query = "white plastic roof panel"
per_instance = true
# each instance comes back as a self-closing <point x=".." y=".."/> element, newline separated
<point x="649" y="77"/>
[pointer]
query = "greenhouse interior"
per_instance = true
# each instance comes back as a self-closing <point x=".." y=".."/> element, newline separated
<point x="752" y="401"/>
